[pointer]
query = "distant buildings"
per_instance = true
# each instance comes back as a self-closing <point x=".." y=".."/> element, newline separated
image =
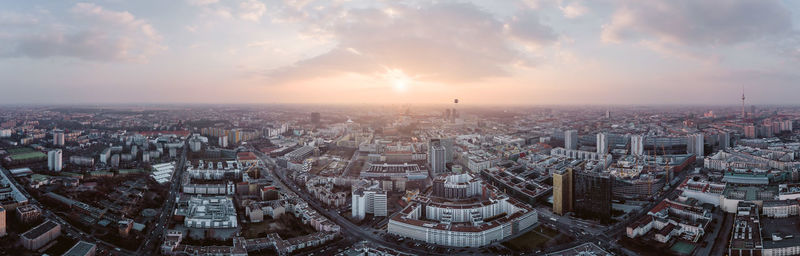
<point x="54" y="160"/>
<point x="58" y="138"/>
<point x="223" y="141"/>
<point x="637" y="145"/>
<point x="602" y="143"/>
<point x="436" y="156"/>
<point x="694" y="145"/>
<point x="315" y="118"/>
<point x="571" y="139"/>
<point x="81" y="160"/>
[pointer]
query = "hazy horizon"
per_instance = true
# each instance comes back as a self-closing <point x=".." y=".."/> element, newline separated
<point x="507" y="53"/>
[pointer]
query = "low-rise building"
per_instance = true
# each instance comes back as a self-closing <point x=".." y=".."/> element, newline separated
<point x="40" y="235"/>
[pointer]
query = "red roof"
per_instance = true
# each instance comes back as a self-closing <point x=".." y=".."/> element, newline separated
<point x="247" y="156"/>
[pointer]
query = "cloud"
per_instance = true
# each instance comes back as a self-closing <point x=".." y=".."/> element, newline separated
<point x="202" y="2"/>
<point x="90" y="32"/>
<point x="573" y="10"/>
<point x="251" y="10"/>
<point x="704" y="23"/>
<point x="528" y="27"/>
<point x="448" y="42"/>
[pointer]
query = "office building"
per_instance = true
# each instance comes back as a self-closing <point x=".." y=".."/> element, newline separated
<point x="602" y="143"/>
<point x="58" y="138"/>
<point x="368" y="198"/>
<point x="695" y="144"/>
<point x="592" y="193"/>
<point x="207" y="212"/>
<point x="40" y="235"/>
<point x="436" y="156"/>
<point x="571" y="139"/>
<point x="562" y="191"/>
<point x="54" y="160"/>
<point x="637" y="145"/>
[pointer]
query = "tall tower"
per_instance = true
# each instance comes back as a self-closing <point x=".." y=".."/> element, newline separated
<point x="744" y="114"/>
<point x="454" y="115"/>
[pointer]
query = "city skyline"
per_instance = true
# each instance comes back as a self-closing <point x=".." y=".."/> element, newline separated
<point x="411" y="52"/>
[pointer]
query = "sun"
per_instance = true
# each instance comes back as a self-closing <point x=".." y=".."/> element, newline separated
<point x="398" y="79"/>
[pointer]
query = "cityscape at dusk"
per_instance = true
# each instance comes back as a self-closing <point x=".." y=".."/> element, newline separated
<point x="398" y="128"/>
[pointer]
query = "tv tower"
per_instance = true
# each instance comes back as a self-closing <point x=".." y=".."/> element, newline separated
<point x="455" y="106"/>
<point x="744" y="114"/>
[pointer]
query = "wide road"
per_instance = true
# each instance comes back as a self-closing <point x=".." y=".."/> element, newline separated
<point x="349" y="230"/>
<point x="153" y="241"/>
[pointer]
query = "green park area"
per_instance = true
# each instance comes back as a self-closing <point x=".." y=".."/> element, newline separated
<point x="533" y="240"/>
<point x="23" y="156"/>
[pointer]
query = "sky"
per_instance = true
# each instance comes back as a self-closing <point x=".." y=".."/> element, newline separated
<point x="400" y="52"/>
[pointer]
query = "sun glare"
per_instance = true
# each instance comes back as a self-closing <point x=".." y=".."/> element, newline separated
<point x="398" y="79"/>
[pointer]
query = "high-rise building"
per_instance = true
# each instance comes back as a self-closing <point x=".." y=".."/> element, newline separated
<point x="694" y="144"/>
<point x="571" y="139"/>
<point x="436" y="156"/>
<point x="592" y="193"/>
<point x="223" y="141"/>
<point x="768" y="130"/>
<point x="562" y="191"/>
<point x="750" y="131"/>
<point x="54" y="160"/>
<point x="58" y="137"/>
<point x="602" y="143"/>
<point x="637" y="145"/>
<point x="449" y="149"/>
<point x="369" y="200"/>
<point x="724" y="140"/>
<point x="315" y="118"/>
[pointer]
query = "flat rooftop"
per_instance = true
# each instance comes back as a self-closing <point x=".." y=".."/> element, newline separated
<point x="80" y="249"/>
<point x="40" y="230"/>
